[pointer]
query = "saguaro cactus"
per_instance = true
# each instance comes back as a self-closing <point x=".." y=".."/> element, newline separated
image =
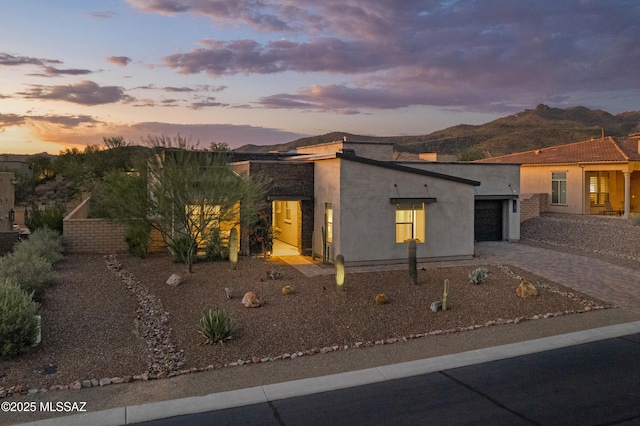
<point x="340" y="272"/>
<point x="445" y="293"/>
<point x="413" y="262"/>
<point x="233" y="247"/>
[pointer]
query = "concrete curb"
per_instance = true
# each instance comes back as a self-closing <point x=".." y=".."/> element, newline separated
<point x="262" y="394"/>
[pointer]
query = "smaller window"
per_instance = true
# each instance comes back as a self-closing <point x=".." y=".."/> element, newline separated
<point x="410" y="222"/>
<point x="328" y="221"/>
<point x="287" y="212"/>
<point x="559" y="188"/>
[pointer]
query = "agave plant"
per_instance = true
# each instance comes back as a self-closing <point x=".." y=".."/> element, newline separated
<point x="216" y="326"/>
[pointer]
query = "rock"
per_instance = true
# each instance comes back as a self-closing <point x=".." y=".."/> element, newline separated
<point x="75" y="385"/>
<point x="105" y="381"/>
<point x="526" y="289"/>
<point x="251" y="300"/>
<point x="287" y="289"/>
<point x="117" y="380"/>
<point x="436" y="306"/>
<point x="274" y="275"/>
<point x="86" y="383"/>
<point x="381" y="299"/>
<point x="174" y="280"/>
<point x="95" y="382"/>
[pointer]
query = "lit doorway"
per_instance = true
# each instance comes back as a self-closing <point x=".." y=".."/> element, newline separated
<point x="287" y="227"/>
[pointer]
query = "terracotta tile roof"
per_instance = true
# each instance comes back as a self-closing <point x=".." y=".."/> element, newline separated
<point x="605" y="150"/>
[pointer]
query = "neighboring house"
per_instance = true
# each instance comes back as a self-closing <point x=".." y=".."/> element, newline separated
<point x="369" y="207"/>
<point x="7" y="200"/>
<point x="597" y="176"/>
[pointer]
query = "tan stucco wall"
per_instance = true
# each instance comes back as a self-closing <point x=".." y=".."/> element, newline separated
<point x="537" y="179"/>
<point x="364" y="218"/>
<point x="373" y="150"/>
<point x="326" y="190"/>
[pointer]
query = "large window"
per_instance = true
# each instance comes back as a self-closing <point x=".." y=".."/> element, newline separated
<point x="598" y="188"/>
<point x="559" y="188"/>
<point x="410" y="222"/>
<point x="328" y="221"/>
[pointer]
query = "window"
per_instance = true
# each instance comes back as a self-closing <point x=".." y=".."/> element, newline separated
<point x="559" y="188"/>
<point x="287" y="212"/>
<point x="598" y="188"/>
<point x="410" y="222"/>
<point x="328" y="221"/>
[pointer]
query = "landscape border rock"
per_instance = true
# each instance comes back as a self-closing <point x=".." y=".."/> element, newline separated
<point x="175" y="359"/>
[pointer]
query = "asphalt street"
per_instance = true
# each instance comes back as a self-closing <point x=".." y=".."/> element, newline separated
<point x="596" y="383"/>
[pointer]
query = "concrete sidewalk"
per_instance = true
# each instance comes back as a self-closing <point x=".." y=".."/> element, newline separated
<point x="261" y="394"/>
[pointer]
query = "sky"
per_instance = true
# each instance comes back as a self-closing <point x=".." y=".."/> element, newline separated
<point x="271" y="71"/>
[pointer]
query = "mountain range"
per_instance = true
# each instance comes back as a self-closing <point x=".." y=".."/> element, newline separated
<point x="527" y="130"/>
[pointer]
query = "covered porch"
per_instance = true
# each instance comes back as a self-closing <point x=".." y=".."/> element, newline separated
<point x="611" y="190"/>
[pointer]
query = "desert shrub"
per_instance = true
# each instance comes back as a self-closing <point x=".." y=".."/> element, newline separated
<point x="43" y="242"/>
<point x="478" y="275"/>
<point x="48" y="217"/>
<point x="215" y="248"/>
<point x="216" y="325"/>
<point x="18" y="324"/>
<point x="182" y="249"/>
<point x="137" y="239"/>
<point x="32" y="274"/>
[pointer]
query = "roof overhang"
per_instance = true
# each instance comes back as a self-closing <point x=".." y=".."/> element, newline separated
<point x="426" y="200"/>
<point x="497" y="197"/>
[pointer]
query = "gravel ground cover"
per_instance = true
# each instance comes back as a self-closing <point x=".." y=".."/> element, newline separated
<point x="115" y="318"/>
<point x="613" y="239"/>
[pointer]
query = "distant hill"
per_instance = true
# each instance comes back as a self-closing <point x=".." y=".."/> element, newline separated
<point x="531" y="129"/>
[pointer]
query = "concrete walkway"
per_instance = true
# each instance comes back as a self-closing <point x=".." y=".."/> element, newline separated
<point x="603" y="280"/>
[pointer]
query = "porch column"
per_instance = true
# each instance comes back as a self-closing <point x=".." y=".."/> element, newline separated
<point x="627" y="193"/>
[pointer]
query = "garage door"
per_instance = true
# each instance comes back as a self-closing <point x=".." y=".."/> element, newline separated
<point x="488" y="220"/>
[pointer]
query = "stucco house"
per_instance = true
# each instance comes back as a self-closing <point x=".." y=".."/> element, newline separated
<point x="368" y="206"/>
<point x="596" y="176"/>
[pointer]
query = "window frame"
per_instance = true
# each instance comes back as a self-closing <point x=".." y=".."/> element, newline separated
<point x="328" y="222"/>
<point x="417" y="221"/>
<point x="560" y="190"/>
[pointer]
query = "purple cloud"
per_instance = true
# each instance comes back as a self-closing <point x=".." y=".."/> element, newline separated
<point x="64" y="121"/>
<point x="122" y="61"/>
<point x="84" y="93"/>
<point x="478" y="55"/>
<point x="10" y="60"/>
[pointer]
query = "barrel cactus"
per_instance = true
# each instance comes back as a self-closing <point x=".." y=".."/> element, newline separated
<point x="233" y="247"/>
<point x="340" y="272"/>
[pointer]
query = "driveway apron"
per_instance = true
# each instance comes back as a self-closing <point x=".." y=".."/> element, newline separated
<point x="603" y="280"/>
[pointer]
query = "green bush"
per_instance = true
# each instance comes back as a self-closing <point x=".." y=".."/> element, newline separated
<point x="18" y="324"/>
<point x="215" y="248"/>
<point x="43" y="242"/>
<point x="216" y="325"/>
<point x="32" y="274"/>
<point x="137" y="240"/>
<point x="181" y="247"/>
<point x="49" y="217"/>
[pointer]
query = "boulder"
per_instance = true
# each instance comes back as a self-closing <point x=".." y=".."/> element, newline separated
<point x="251" y="300"/>
<point x="526" y="289"/>
<point x="436" y="306"/>
<point x="174" y="280"/>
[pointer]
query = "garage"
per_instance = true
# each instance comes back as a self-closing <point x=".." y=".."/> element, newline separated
<point x="488" y="220"/>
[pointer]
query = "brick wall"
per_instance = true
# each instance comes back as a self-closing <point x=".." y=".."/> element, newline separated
<point x="532" y="205"/>
<point x="83" y="235"/>
<point x="94" y="236"/>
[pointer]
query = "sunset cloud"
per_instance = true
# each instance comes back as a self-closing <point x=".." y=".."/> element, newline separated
<point x="122" y="61"/>
<point x="84" y="93"/>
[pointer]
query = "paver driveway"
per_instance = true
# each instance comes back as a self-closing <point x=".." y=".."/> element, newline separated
<point x="603" y="280"/>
